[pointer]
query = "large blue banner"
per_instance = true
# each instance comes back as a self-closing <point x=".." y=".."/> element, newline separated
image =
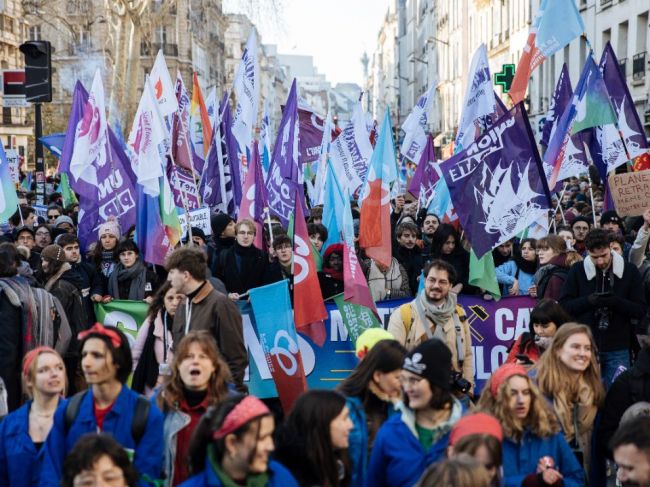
<point x="494" y="326"/>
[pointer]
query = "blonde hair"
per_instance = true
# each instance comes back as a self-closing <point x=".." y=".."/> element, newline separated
<point x="459" y="471"/>
<point x="552" y="373"/>
<point x="28" y="374"/>
<point x="541" y="419"/>
<point x="246" y="222"/>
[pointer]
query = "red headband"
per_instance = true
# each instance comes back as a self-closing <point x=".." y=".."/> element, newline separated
<point x="503" y="373"/>
<point x="98" y="329"/>
<point x="248" y="409"/>
<point x="32" y="354"/>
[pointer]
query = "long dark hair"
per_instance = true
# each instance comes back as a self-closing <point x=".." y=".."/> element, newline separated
<point x="210" y="422"/>
<point x="386" y="356"/>
<point x="305" y="443"/>
<point x="546" y="311"/>
<point x="440" y="236"/>
<point x="158" y="303"/>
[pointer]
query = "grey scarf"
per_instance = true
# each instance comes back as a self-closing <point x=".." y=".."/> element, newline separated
<point x="137" y="274"/>
<point x="438" y="314"/>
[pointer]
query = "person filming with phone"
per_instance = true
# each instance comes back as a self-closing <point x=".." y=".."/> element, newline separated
<point x="604" y="292"/>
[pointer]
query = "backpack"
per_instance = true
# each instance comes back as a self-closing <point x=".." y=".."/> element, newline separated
<point x="138" y="422"/>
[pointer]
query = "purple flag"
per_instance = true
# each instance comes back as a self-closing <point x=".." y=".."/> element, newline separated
<point x="232" y="151"/>
<point x="497" y="184"/>
<point x="183" y="186"/>
<point x="79" y="99"/>
<point x="285" y="174"/>
<point x="426" y="176"/>
<point x="181" y="149"/>
<point x="311" y="135"/>
<point x="561" y="97"/>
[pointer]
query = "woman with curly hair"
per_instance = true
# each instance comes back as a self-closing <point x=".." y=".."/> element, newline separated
<point x="534" y="448"/>
<point x="199" y="379"/>
<point x="568" y="374"/>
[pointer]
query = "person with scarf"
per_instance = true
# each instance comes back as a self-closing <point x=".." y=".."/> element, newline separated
<point x="331" y="277"/>
<point x="66" y="287"/>
<point x="569" y="376"/>
<point x="554" y="262"/>
<point x="131" y="279"/>
<point x="243" y="266"/>
<point x="408" y="254"/>
<point x="103" y="255"/>
<point x="517" y="276"/>
<point x="23" y="432"/>
<point x="418" y="434"/>
<point x="152" y="350"/>
<point x="372" y="391"/>
<point x="386" y="282"/>
<point x="232" y="446"/>
<point x="435" y="313"/>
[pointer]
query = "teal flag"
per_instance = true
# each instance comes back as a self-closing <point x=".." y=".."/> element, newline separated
<point x="356" y="318"/>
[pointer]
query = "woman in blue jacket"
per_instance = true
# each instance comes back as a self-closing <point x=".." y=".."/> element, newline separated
<point x="23" y="432"/>
<point x="516" y="276"/>
<point x="108" y="406"/>
<point x="232" y="445"/>
<point x="410" y="441"/>
<point x="534" y="448"/>
<point x="372" y="390"/>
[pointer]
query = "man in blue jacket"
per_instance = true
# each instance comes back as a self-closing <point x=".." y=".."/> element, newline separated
<point x="108" y="406"/>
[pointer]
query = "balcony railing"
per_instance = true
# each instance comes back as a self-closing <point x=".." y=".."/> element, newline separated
<point x="639" y="66"/>
<point x="151" y="49"/>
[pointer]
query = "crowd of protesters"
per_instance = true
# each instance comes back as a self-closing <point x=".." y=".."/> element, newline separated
<point x="84" y="405"/>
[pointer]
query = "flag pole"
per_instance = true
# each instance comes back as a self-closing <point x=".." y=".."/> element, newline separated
<point x="591" y="196"/>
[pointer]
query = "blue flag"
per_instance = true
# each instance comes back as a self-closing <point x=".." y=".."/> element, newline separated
<point x="497" y="184"/>
<point x="333" y="205"/>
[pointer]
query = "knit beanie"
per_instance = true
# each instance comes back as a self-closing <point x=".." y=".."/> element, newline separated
<point x="63" y="219"/>
<point x="219" y="222"/>
<point x="53" y="253"/>
<point x="110" y="227"/>
<point x="369" y="339"/>
<point x="431" y="360"/>
<point x="476" y="424"/>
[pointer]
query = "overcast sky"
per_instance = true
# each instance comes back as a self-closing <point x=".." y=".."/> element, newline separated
<point x="335" y="32"/>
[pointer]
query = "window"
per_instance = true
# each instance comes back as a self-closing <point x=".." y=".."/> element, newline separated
<point x="641" y="32"/>
<point x="607" y="37"/>
<point x="621" y="45"/>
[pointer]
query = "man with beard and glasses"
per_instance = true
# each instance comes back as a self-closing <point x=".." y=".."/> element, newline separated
<point x="435" y="313"/>
<point x="631" y="447"/>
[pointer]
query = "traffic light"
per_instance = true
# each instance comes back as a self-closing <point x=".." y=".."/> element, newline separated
<point x="38" y="71"/>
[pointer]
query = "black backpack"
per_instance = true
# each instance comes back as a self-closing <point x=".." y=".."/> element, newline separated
<point x="138" y="423"/>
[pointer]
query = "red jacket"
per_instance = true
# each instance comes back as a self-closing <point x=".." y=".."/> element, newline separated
<point x="530" y="350"/>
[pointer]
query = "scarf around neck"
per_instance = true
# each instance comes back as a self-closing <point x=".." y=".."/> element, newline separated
<point x="137" y="274"/>
<point x="438" y="314"/>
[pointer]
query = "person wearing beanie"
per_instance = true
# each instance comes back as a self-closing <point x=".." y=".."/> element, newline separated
<point x="223" y="238"/>
<point x="535" y="452"/>
<point x="64" y="222"/>
<point x="418" y="435"/>
<point x="66" y="286"/>
<point x="103" y="255"/>
<point x="479" y="435"/>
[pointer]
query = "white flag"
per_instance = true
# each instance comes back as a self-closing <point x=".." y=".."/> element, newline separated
<point x="479" y="103"/>
<point x="247" y="91"/>
<point x="321" y="173"/>
<point x="351" y="152"/>
<point x="89" y="150"/>
<point x="148" y="143"/>
<point x="415" y="137"/>
<point x="163" y="87"/>
<point x="212" y="106"/>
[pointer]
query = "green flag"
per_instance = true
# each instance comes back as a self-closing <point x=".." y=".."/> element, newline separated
<point x="356" y="318"/>
<point x="123" y="314"/>
<point x="482" y="273"/>
<point x="318" y="259"/>
<point x="66" y="191"/>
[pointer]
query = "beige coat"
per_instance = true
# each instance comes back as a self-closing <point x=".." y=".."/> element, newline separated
<point x="417" y="335"/>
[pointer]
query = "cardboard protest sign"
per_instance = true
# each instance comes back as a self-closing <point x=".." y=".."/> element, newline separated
<point x="631" y="192"/>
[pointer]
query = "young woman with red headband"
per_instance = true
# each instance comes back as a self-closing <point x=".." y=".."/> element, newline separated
<point x="232" y="444"/>
<point x="23" y="432"/>
<point x="535" y="452"/>
<point x="107" y="406"/>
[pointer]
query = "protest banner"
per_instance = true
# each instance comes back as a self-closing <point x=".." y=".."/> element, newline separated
<point x="494" y="325"/>
<point x="631" y="192"/>
<point x="13" y="160"/>
<point x="199" y="218"/>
